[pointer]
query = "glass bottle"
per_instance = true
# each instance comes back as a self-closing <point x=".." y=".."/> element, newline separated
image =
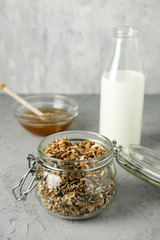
<point x="122" y="90"/>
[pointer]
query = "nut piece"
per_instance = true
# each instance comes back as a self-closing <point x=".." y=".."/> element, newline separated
<point x="76" y="194"/>
<point x="63" y="149"/>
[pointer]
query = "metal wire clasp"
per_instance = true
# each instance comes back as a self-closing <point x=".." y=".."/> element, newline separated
<point x="32" y="169"/>
<point x="117" y="149"/>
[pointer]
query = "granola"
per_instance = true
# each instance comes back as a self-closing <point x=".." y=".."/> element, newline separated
<point x="72" y="191"/>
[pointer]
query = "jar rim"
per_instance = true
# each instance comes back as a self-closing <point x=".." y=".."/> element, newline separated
<point x="125" y="31"/>
<point x="105" y="142"/>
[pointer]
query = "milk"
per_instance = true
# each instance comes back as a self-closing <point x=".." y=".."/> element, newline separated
<point x="121" y="106"/>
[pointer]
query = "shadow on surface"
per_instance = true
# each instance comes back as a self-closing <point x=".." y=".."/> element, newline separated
<point x="133" y="199"/>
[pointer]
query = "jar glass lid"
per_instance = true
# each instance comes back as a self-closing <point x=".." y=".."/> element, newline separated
<point x="141" y="162"/>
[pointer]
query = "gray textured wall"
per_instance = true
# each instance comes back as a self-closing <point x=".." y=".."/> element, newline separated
<point x="62" y="46"/>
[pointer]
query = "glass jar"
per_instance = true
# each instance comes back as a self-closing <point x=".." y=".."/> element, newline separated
<point x="73" y="189"/>
<point x="81" y="189"/>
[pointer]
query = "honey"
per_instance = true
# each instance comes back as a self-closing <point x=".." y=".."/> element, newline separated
<point x="36" y="125"/>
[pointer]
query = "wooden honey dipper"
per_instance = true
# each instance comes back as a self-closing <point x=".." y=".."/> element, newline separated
<point x="44" y="116"/>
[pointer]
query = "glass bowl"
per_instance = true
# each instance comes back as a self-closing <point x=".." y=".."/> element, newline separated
<point x="64" y="110"/>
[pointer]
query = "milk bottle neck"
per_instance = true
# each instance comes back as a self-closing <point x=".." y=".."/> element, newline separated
<point x="125" y="56"/>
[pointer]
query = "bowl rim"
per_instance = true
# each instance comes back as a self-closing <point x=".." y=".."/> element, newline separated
<point x="74" y="112"/>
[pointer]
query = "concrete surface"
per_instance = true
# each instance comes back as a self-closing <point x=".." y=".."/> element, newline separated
<point x="133" y="214"/>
